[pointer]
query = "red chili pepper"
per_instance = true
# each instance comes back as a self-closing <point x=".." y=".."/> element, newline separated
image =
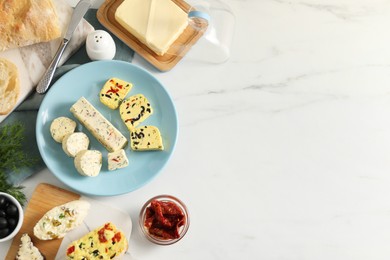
<point x="112" y="90"/>
<point x="70" y="250"/>
<point x="117" y="237"/>
<point x="102" y="238"/>
<point x="107" y="226"/>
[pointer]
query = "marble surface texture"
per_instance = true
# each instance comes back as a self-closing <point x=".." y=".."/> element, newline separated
<point x="283" y="150"/>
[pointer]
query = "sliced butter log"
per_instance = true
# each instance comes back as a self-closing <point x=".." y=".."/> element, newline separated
<point x="74" y="143"/>
<point x="98" y="125"/>
<point x="105" y="242"/>
<point x="26" y="22"/>
<point x="60" y="127"/>
<point x="114" y="91"/>
<point x="58" y="221"/>
<point x="117" y="160"/>
<point x="27" y="250"/>
<point x="135" y="110"/>
<point x="88" y="162"/>
<point x="146" y="138"/>
<point x="9" y="84"/>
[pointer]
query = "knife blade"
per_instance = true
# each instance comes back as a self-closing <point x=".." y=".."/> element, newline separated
<point x="78" y="13"/>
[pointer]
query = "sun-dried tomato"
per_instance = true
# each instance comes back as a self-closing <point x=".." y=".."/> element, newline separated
<point x="163" y="219"/>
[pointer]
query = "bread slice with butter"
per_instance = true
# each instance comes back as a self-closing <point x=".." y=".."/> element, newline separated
<point x="58" y="221"/>
<point x="9" y="85"/>
<point x="27" y="250"/>
<point x="114" y="91"/>
<point x="105" y="242"/>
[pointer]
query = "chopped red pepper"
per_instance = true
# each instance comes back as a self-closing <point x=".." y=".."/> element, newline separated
<point x="70" y="250"/>
<point x="102" y="237"/>
<point x="112" y="90"/>
<point x="117" y="237"/>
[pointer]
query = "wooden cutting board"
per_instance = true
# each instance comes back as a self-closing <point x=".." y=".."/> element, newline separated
<point x="44" y="198"/>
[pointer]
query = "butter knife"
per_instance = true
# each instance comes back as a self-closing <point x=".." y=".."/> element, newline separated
<point x="78" y="13"/>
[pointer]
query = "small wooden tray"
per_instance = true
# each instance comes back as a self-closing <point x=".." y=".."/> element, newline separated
<point x="106" y="16"/>
<point x="44" y="198"/>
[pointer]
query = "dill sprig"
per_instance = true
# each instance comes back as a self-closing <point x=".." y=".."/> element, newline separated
<point x="13" y="158"/>
<point x="15" y="191"/>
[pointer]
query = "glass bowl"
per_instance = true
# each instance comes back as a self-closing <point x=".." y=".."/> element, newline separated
<point x="148" y="209"/>
<point x="16" y="226"/>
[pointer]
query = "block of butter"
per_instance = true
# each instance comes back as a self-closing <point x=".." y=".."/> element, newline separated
<point x="156" y="23"/>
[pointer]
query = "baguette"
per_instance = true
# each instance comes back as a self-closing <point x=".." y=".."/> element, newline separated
<point x="9" y="86"/>
<point x="25" y="22"/>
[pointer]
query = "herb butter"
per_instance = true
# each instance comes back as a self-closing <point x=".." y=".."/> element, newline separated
<point x="110" y="137"/>
<point x="105" y="242"/>
<point x="146" y="138"/>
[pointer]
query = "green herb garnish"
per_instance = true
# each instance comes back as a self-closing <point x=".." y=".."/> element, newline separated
<point x="12" y="158"/>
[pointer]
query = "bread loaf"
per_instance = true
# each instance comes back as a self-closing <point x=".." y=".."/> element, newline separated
<point x="25" y="22"/>
<point x="9" y="86"/>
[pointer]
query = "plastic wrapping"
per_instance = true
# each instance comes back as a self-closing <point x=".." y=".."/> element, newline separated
<point x="215" y="44"/>
<point x="212" y="19"/>
<point x="164" y="31"/>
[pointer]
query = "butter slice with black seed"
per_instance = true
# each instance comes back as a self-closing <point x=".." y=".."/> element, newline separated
<point x="114" y="91"/>
<point x="146" y="138"/>
<point x="135" y="110"/>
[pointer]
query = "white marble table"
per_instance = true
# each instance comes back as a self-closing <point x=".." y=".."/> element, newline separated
<point x="284" y="150"/>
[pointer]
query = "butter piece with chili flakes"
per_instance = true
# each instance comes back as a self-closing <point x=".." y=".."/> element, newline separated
<point x="117" y="160"/>
<point x="105" y="242"/>
<point x="114" y="91"/>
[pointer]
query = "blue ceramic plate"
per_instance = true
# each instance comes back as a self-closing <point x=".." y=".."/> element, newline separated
<point x="87" y="80"/>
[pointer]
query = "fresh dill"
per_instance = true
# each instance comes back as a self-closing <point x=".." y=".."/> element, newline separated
<point x="13" y="158"/>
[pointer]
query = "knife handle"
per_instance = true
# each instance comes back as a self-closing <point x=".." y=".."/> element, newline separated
<point x="45" y="81"/>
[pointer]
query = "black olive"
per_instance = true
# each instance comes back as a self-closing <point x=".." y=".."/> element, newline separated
<point x="3" y="200"/>
<point x="11" y="210"/>
<point x="2" y="213"/>
<point x="3" y="222"/>
<point x="12" y="223"/>
<point x="4" y="232"/>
